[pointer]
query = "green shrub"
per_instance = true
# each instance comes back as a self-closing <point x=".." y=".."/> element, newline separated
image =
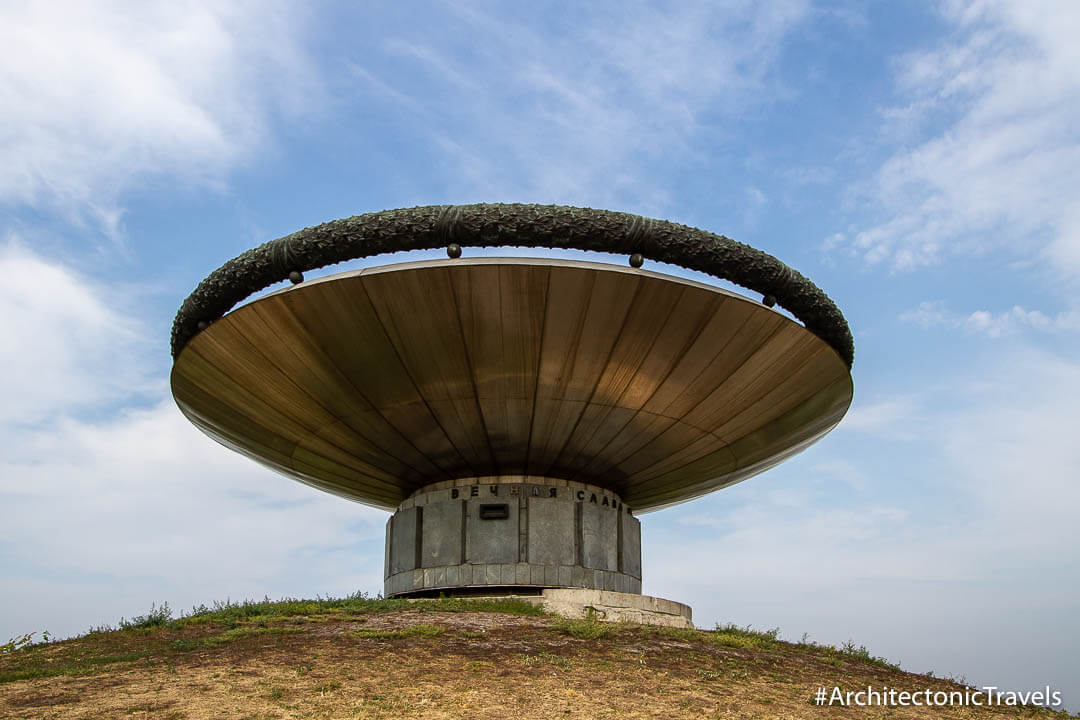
<point x="588" y="628"/>
<point x="157" y="617"/>
<point x="861" y="654"/>
<point x="16" y="642"/>
<point x="735" y="636"/>
<point x="675" y="633"/>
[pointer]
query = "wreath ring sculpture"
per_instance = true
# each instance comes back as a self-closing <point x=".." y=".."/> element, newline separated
<point x="511" y="225"/>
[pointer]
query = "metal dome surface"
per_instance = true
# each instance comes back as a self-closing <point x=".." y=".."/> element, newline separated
<point x="374" y="383"/>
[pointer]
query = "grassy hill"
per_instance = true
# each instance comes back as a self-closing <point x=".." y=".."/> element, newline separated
<point x="370" y="658"/>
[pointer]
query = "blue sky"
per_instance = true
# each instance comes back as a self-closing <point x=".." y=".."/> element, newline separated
<point x="919" y="161"/>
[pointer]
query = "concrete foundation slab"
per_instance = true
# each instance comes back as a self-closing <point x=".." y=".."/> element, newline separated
<point x="617" y="607"/>
<point x="606" y="606"/>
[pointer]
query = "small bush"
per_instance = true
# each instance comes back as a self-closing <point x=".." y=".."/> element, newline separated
<point x="682" y="634"/>
<point x="735" y="636"/>
<point x="157" y="617"/>
<point x="849" y="651"/>
<point x="588" y="628"/>
<point x="861" y="654"/>
<point x="17" y="642"/>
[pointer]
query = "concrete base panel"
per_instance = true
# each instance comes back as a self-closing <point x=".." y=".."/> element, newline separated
<point x="512" y="532"/>
<point x="606" y="606"/>
<point x="617" y="607"/>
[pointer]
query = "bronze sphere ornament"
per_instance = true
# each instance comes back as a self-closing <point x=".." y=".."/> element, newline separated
<point x="514" y="414"/>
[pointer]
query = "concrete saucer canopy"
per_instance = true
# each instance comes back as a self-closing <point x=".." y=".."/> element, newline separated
<point x="514" y="414"/>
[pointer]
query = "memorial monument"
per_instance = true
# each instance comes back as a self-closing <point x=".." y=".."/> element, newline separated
<point x="515" y="415"/>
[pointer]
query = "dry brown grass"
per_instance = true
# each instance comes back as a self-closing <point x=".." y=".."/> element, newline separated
<point x="479" y="665"/>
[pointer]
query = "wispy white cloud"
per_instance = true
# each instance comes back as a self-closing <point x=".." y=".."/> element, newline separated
<point x="890" y="417"/>
<point x="987" y="509"/>
<point x="112" y="500"/>
<point x="753" y="206"/>
<point x="1011" y="321"/>
<point x="99" y="96"/>
<point x="929" y="314"/>
<point x="574" y="116"/>
<point x="990" y="143"/>
<point x="66" y="345"/>
<point x="1011" y="447"/>
<point x="992" y="325"/>
<point x="141" y="507"/>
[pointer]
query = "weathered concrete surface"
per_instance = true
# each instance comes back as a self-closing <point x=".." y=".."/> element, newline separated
<point x="403" y="540"/>
<point x="551" y="533"/>
<point x="512" y="531"/>
<point x="599" y="526"/>
<point x="617" y="607"/>
<point x="492" y="541"/>
<point x="506" y="575"/>
<point x="607" y="606"/>
<point x="630" y="540"/>
<point x="442" y="534"/>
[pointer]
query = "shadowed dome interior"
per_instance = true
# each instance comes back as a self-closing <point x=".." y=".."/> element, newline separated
<point x="373" y="383"/>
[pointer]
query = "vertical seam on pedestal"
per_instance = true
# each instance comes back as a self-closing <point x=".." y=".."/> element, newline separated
<point x="419" y="544"/>
<point x="579" y="535"/>
<point x="464" y="531"/>
<point x="618" y="541"/>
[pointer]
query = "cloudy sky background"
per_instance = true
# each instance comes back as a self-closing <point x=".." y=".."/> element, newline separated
<point x="919" y="161"/>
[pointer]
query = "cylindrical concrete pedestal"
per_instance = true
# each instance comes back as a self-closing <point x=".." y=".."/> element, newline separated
<point x="512" y="533"/>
